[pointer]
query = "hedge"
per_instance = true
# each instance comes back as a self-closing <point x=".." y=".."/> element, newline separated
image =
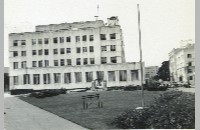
<point x="172" y="110"/>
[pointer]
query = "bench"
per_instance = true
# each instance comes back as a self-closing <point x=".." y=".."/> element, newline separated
<point x="92" y="99"/>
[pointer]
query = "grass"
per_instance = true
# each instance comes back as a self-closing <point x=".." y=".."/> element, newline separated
<point x="69" y="106"/>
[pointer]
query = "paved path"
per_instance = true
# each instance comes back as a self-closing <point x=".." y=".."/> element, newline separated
<point x="21" y="115"/>
<point x="192" y="89"/>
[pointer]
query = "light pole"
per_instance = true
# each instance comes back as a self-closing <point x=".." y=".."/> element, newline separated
<point x="140" y="49"/>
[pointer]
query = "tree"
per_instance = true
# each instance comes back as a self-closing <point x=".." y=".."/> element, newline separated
<point x="163" y="71"/>
<point x="6" y="82"/>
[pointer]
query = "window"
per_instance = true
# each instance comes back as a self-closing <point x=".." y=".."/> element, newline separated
<point x="34" y="63"/>
<point x="55" y="51"/>
<point x="113" y="59"/>
<point x="62" y="62"/>
<point x="15" y="53"/>
<point x="68" y="50"/>
<point x="91" y="49"/>
<point x="26" y="79"/>
<point x="46" y="52"/>
<point x="55" y="62"/>
<point x="36" y="79"/>
<point x="67" y="78"/>
<point x="39" y="41"/>
<point x="69" y="62"/>
<point x="40" y="52"/>
<point x="103" y="60"/>
<point x="15" y="43"/>
<point x="46" y="78"/>
<point x="78" y="50"/>
<point x="40" y="63"/>
<point x="46" y="63"/>
<point x="61" y="39"/>
<point x="112" y="48"/>
<point x="189" y="70"/>
<point x="91" y="37"/>
<point x="111" y="75"/>
<point x="103" y="48"/>
<point x="46" y="41"/>
<point x="85" y="61"/>
<point x="15" y="65"/>
<point x="84" y="49"/>
<point x="100" y="76"/>
<point x="92" y="61"/>
<point x="16" y="80"/>
<point x="55" y="40"/>
<point x="122" y="75"/>
<point x="103" y="36"/>
<point x="33" y="41"/>
<point x="89" y="76"/>
<point x="134" y="75"/>
<point x="62" y="50"/>
<point x="23" y="64"/>
<point x="34" y="52"/>
<point x="68" y="39"/>
<point x="78" y="61"/>
<point x="23" y="53"/>
<point x="113" y="36"/>
<point x="77" y="38"/>
<point x="190" y="64"/>
<point x="191" y="77"/>
<point x="57" y="78"/>
<point x="189" y="55"/>
<point x="23" y="42"/>
<point x="78" y="77"/>
<point x="84" y="38"/>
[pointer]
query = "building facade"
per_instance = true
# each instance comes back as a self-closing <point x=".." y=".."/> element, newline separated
<point x="70" y="55"/>
<point x="182" y="64"/>
<point x="150" y="72"/>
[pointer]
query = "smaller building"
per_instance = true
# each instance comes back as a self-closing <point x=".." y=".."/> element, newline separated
<point x="182" y="64"/>
<point x="150" y="72"/>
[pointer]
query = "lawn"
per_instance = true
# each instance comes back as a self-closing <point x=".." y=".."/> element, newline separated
<point x="69" y="106"/>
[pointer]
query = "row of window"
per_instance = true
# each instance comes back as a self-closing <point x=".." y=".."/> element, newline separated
<point x="64" y="62"/>
<point x="63" y="39"/>
<point x="78" y="77"/>
<point x="64" y="50"/>
<point x="55" y="51"/>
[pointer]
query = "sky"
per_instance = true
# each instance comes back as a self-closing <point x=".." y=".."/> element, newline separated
<point x="164" y="23"/>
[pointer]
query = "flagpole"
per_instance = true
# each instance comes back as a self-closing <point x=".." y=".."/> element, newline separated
<point x="140" y="47"/>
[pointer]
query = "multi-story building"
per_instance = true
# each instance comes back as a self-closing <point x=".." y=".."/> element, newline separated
<point x="150" y="72"/>
<point x="182" y="64"/>
<point x="70" y="55"/>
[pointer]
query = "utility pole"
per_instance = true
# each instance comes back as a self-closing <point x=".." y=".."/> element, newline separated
<point x="140" y="47"/>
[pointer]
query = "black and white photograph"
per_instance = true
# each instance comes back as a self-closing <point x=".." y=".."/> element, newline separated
<point x="99" y="64"/>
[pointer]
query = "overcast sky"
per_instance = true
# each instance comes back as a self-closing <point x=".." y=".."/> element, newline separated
<point x="164" y="23"/>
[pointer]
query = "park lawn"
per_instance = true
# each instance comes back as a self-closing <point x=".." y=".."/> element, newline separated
<point x="69" y="106"/>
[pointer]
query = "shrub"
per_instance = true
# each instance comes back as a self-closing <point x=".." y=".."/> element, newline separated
<point x="48" y="93"/>
<point x="115" y="88"/>
<point x="20" y="91"/>
<point x="154" y="85"/>
<point x="130" y="88"/>
<point x="172" y="110"/>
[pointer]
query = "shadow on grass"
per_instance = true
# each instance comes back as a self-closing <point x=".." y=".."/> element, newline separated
<point x="69" y="106"/>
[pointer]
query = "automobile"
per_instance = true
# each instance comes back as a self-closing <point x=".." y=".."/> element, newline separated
<point x="174" y="85"/>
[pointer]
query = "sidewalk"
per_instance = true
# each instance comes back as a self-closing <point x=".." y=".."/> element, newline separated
<point x="191" y="90"/>
<point x="23" y="116"/>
